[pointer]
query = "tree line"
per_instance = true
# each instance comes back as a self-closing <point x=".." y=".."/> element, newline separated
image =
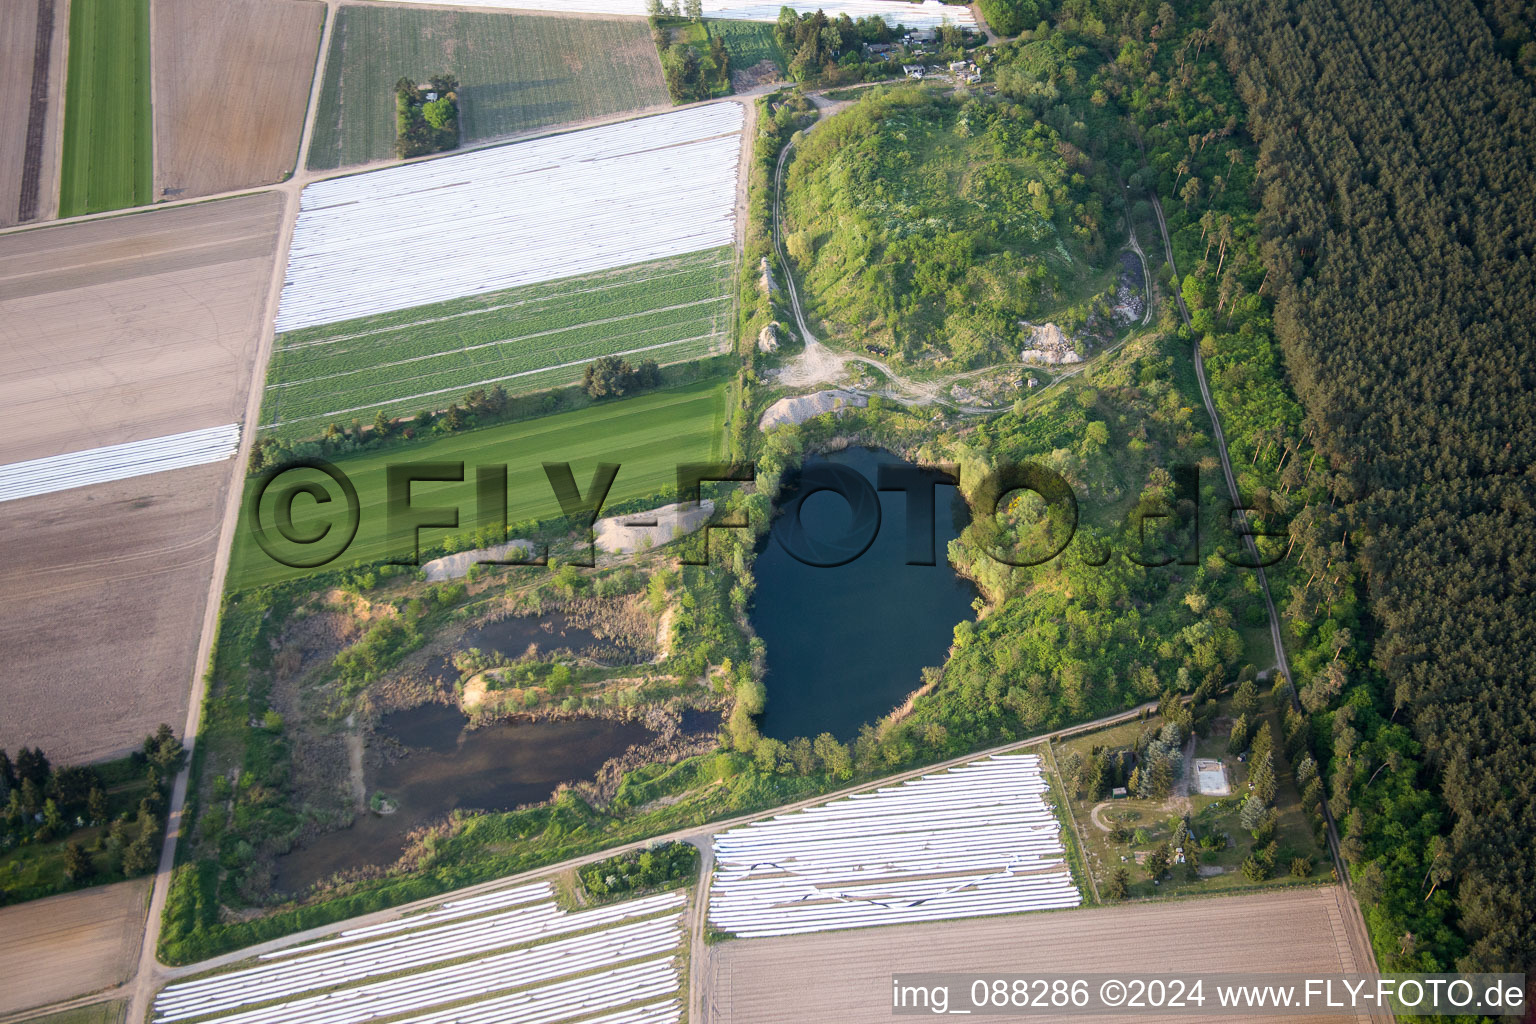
<point x="83" y="818"/>
<point x="1397" y="169"/>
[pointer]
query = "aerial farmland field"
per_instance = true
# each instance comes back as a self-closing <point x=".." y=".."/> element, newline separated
<point x="647" y="436"/>
<point x="846" y="976"/>
<point x="132" y="327"/>
<point x="524" y="339"/>
<point x="516" y="72"/>
<point x="232" y="82"/>
<point x="32" y="38"/>
<point x="748" y="42"/>
<point x="102" y="609"/>
<point x="913" y="14"/>
<point x="529" y="961"/>
<point x="107" y="129"/>
<point x="497" y="218"/>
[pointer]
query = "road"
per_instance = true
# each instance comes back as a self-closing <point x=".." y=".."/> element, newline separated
<point x="152" y="975"/>
<point x="1353" y="920"/>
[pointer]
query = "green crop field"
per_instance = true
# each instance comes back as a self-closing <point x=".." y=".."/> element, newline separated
<point x="515" y="72"/>
<point x="525" y="339"/>
<point x="748" y="42"/>
<point x="107" y="127"/>
<point x="647" y="436"/>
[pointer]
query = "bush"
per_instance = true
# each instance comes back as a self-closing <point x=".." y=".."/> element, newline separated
<point x="638" y="870"/>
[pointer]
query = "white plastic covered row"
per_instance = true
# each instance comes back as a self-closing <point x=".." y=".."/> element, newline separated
<point x="973" y="841"/>
<point x="118" y="462"/>
<point x="513" y="215"/>
<point x="471" y="907"/>
<point x="520" y="968"/>
<point x="566" y="999"/>
<point x="411" y="951"/>
<point x="928" y="14"/>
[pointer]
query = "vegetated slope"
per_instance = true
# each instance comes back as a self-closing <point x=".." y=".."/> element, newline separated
<point x="1399" y="165"/>
<point x="931" y="224"/>
<point x="232" y="83"/>
<point x="516" y="72"/>
<point x="524" y="339"/>
<point x="106" y="163"/>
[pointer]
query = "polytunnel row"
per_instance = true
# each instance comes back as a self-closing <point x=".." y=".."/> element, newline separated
<point x="513" y="215"/>
<point x="375" y="958"/>
<point x="532" y="966"/>
<point x="976" y="840"/>
<point x="928" y="14"/>
<point x="118" y="462"/>
<point x="449" y="911"/>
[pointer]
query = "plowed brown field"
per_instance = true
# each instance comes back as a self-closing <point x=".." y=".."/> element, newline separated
<point x="69" y="945"/>
<point x="846" y="976"/>
<point x="132" y="327"/>
<point x="231" y="83"/>
<point x="102" y="608"/>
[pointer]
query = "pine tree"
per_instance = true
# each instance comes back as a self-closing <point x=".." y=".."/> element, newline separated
<point x="1119" y="885"/>
<point x="1261" y="776"/>
<point x="1157" y="862"/>
<point x="77" y="863"/>
<point x="1252" y="813"/>
<point x="1239" y="738"/>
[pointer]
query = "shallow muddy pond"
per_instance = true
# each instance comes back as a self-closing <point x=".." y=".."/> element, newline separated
<point x="496" y="767"/>
<point x="847" y="644"/>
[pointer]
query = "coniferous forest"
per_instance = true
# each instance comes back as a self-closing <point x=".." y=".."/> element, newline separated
<point x="1397" y="169"/>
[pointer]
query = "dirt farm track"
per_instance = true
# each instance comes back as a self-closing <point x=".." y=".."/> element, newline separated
<point x="846" y="976"/>
<point x="131" y="327"/>
<point x="101" y="608"/>
<point x="231" y="81"/>
<point x="70" y="945"/>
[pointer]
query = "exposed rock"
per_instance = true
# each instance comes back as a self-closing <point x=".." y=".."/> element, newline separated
<point x="1130" y="290"/>
<point x="626" y="534"/>
<point x="804" y="407"/>
<point x="768" y="285"/>
<point x="452" y="567"/>
<point x="1049" y="345"/>
<point x="768" y="338"/>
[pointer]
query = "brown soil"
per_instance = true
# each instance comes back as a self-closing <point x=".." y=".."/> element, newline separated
<point x="33" y="34"/>
<point x="100" y="612"/>
<point x="70" y="945"/>
<point x="132" y="327"/>
<point x="845" y="976"/>
<point x="232" y="80"/>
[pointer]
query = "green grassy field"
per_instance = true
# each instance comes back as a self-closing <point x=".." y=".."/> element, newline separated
<point x="515" y="71"/>
<point x="525" y="339"/>
<point x="647" y="436"/>
<point x="107" y="127"/>
<point x="748" y="42"/>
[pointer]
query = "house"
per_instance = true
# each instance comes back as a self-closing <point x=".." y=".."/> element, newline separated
<point x="912" y="70"/>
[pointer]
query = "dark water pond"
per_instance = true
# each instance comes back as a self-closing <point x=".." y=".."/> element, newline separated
<point x="512" y="636"/>
<point x="847" y="644"/>
<point x="493" y="768"/>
